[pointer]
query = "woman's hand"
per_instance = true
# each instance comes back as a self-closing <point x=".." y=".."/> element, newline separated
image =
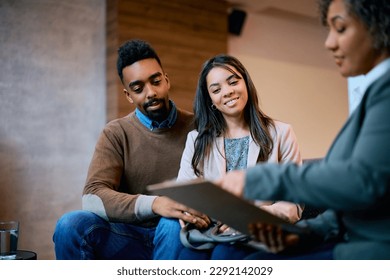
<point x="273" y="237"/>
<point x="233" y="182"/>
<point x="288" y="211"/>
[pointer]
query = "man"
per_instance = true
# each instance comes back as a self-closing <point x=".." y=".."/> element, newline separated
<point x="118" y="219"/>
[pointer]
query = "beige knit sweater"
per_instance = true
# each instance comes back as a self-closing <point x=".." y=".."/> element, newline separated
<point x="128" y="157"/>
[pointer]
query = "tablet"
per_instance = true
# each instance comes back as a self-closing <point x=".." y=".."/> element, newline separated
<point x="219" y="204"/>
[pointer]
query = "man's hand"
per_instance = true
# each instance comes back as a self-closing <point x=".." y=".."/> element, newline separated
<point x="169" y="208"/>
<point x="273" y="237"/>
<point x="233" y="182"/>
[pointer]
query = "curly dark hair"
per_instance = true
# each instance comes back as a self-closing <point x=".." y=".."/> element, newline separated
<point x="374" y="14"/>
<point x="211" y="124"/>
<point x="133" y="51"/>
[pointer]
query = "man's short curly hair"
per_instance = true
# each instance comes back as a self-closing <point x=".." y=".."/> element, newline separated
<point x="374" y="14"/>
<point x="133" y="51"/>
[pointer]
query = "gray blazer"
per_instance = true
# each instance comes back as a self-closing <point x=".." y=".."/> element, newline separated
<point x="353" y="180"/>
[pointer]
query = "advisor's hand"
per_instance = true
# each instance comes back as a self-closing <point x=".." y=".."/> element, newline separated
<point x="274" y="237"/>
<point x="169" y="208"/>
<point x="233" y="182"/>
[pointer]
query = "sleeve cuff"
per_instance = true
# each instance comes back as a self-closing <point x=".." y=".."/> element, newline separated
<point x="143" y="207"/>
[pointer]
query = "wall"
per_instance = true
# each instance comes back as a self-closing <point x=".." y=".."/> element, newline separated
<point x="59" y="86"/>
<point x="52" y="108"/>
<point x="184" y="33"/>
<point x="295" y="76"/>
<point x="53" y="88"/>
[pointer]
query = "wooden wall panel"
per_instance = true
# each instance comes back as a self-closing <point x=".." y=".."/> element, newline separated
<point x="184" y="33"/>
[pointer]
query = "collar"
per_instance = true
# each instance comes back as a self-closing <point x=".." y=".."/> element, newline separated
<point x="375" y="74"/>
<point x="359" y="84"/>
<point x="151" y="124"/>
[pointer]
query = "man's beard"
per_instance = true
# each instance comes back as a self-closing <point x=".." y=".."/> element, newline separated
<point x="158" y="115"/>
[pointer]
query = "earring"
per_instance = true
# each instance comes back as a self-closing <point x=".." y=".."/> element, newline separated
<point x="213" y="107"/>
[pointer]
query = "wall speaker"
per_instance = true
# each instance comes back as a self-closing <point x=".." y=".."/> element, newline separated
<point x="236" y="21"/>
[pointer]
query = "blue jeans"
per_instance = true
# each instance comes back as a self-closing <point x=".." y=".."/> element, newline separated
<point x="231" y="251"/>
<point x="241" y="251"/>
<point x="322" y="252"/>
<point x="167" y="240"/>
<point x="168" y="245"/>
<point x="82" y="235"/>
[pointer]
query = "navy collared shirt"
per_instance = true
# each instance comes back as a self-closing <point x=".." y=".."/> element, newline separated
<point x="167" y="123"/>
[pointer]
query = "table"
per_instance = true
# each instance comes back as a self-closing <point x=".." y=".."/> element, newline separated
<point x="25" y="255"/>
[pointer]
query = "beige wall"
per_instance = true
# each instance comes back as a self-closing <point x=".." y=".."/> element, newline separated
<point x="295" y="76"/>
<point x="52" y="105"/>
<point x="52" y="109"/>
<point x="53" y="92"/>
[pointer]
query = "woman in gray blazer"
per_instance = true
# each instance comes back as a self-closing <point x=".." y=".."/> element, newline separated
<point x="353" y="180"/>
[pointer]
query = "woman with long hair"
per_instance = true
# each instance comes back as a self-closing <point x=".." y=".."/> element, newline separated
<point x="231" y="133"/>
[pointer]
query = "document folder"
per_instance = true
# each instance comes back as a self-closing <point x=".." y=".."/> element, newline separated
<point x="219" y="204"/>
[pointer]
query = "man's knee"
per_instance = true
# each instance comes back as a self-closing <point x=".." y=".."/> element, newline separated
<point x="168" y="225"/>
<point x="75" y="221"/>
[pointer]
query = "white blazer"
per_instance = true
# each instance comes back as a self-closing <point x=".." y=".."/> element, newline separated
<point x="285" y="149"/>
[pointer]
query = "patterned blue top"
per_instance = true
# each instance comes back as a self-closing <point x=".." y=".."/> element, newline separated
<point x="236" y="151"/>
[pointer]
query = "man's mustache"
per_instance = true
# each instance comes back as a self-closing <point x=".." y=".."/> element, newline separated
<point x="152" y="102"/>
